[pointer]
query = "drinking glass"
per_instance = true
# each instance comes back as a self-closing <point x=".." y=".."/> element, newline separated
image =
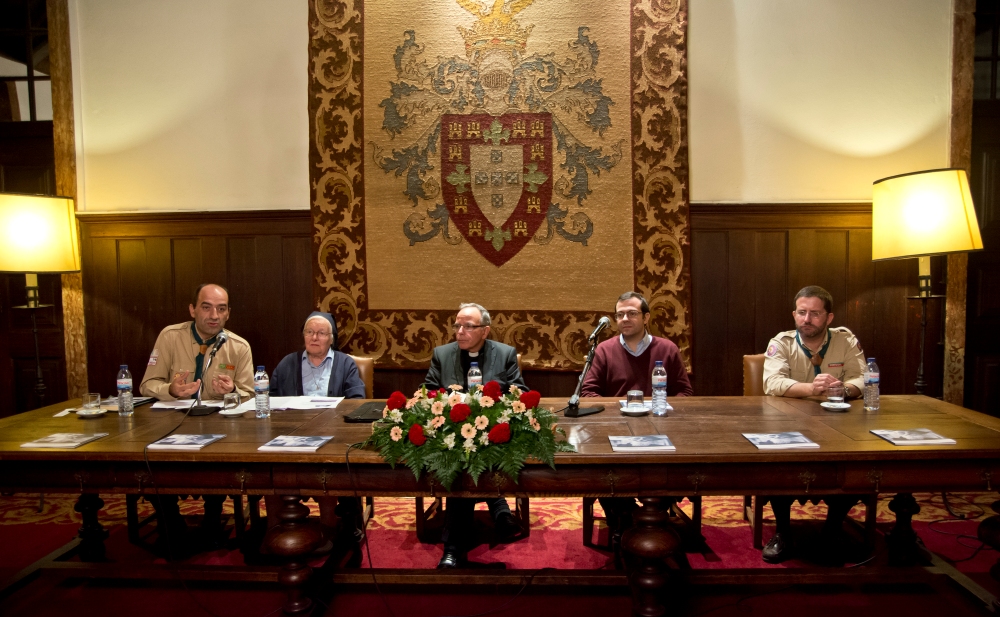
<point x="835" y="394"/>
<point x="230" y="401"/>
<point x="92" y="401"/>
<point x="634" y="399"/>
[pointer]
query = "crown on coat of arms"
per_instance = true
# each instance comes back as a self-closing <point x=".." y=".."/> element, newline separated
<point x="495" y="30"/>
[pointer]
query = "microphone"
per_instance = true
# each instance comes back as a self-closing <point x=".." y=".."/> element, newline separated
<point x="601" y="325"/>
<point x="203" y="410"/>
<point x="221" y="338"/>
<point x="573" y="409"/>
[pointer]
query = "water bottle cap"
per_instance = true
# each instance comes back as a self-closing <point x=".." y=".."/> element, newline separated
<point x="124" y="366"/>
<point x="260" y="368"/>
<point x="475" y="364"/>
<point x="659" y="363"/>
<point x="870" y="359"/>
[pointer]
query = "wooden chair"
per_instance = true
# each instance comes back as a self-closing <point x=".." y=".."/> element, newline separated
<point x="522" y="508"/>
<point x="753" y="505"/>
<point x="366" y="369"/>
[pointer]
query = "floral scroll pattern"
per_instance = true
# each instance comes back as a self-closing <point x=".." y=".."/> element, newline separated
<point x="546" y="339"/>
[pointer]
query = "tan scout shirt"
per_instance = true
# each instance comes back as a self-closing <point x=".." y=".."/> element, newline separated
<point x="785" y="363"/>
<point x="175" y="351"/>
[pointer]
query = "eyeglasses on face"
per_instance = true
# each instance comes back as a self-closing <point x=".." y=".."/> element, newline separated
<point x="627" y="315"/>
<point x="809" y="314"/>
<point x="319" y="333"/>
<point x="455" y="327"/>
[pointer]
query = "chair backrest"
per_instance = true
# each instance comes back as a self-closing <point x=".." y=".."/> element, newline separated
<point x="518" y="361"/>
<point x="366" y="369"/>
<point x="753" y="375"/>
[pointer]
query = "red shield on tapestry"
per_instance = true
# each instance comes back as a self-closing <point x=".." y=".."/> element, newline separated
<point x="496" y="178"/>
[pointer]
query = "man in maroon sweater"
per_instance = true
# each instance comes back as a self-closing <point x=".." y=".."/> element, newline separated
<point x="625" y="362"/>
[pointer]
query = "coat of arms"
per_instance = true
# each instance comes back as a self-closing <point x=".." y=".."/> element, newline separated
<point x="495" y="162"/>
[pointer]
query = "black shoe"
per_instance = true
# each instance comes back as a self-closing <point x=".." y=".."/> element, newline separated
<point x="450" y="560"/>
<point x="506" y="526"/>
<point x="778" y="549"/>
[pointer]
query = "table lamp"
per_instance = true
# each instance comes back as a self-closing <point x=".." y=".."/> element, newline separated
<point x="37" y="234"/>
<point x="921" y="214"/>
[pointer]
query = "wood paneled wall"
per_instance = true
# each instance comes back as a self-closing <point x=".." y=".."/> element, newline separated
<point x="139" y="271"/>
<point x="747" y="261"/>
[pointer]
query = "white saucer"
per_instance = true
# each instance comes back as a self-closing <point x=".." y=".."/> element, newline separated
<point x="232" y="412"/>
<point x="91" y="413"/>
<point x="635" y="411"/>
<point x="835" y="406"/>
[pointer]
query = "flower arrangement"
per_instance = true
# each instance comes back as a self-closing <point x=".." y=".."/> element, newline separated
<point x="445" y="432"/>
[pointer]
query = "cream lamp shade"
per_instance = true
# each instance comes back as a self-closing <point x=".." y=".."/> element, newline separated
<point x="38" y="234"/>
<point x="923" y="213"/>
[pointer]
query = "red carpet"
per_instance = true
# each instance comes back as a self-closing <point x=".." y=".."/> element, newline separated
<point x="555" y="541"/>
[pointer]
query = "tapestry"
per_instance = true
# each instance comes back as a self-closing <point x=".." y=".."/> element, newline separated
<point x="527" y="155"/>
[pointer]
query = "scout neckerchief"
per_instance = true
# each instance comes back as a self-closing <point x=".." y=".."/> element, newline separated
<point x="202" y="348"/>
<point x="816" y="360"/>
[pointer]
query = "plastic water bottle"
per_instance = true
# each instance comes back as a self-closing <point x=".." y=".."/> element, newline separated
<point x="125" y="406"/>
<point x="475" y="376"/>
<point x="262" y="393"/>
<point x="871" y="386"/>
<point x="659" y="389"/>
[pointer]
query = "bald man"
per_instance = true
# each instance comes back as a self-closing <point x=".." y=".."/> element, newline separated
<point x="175" y="371"/>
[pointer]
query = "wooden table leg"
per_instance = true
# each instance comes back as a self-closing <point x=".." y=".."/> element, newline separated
<point x="902" y="540"/>
<point x="651" y="540"/>
<point x="91" y="532"/>
<point x="294" y="538"/>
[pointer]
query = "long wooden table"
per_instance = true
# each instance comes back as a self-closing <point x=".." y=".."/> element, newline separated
<point x="712" y="458"/>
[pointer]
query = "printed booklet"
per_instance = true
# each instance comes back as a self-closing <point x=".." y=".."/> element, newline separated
<point x="184" y="442"/>
<point x="295" y="443"/>
<point x="780" y="441"/>
<point x="63" y="440"/>
<point x="641" y="443"/>
<point x="914" y="437"/>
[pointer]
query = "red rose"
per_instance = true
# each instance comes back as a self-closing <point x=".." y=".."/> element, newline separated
<point x="459" y="412"/>
<point x="416" y="435"/>
<point x="500" y="433"/>
<point x="432" y="393"/>
<point x="531" y="398"/>
<point x="492" y="390"/>
<point x="396" y="401"/>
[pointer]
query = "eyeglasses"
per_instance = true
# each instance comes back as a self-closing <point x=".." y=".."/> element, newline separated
<point x="627" y="315"/>
<point x="319" y="333"/>
<point x="810" y="314"/>
<point x="455" y="327"/>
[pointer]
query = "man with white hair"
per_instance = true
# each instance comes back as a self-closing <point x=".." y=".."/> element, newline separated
<point x="450" y="366"/>
<point x="318" y="370"/>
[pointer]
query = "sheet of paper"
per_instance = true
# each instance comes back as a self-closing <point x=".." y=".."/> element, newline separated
<point x="279" y="403"/>
<point x="62" y="413"/>
<point x="183" y="404"/>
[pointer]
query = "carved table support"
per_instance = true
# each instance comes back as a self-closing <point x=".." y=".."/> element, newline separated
<point x="294" y="538"/>
<point x="91" y="532"/>
<point x="902" y="540"/>
<point x="651" y="540"/>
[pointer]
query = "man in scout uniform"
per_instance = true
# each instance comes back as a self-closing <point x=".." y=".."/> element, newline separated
<point x="805" y="362"/>
<point x="174" y="371"/>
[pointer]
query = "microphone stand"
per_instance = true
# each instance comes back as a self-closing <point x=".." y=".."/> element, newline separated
<point x="573" y="409"/>
<point x="198" y="409"/>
